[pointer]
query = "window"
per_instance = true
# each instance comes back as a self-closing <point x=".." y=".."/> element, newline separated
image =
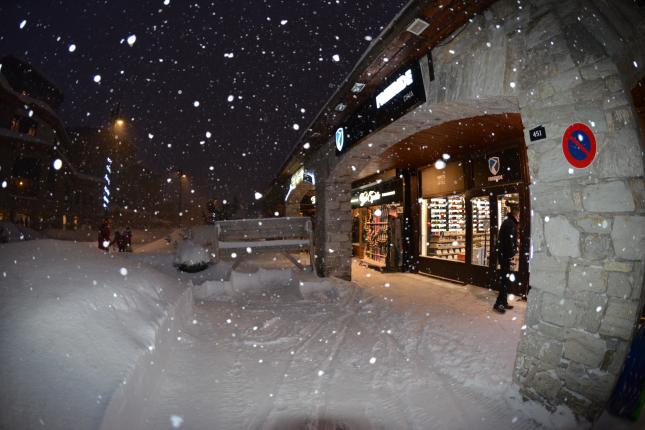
<point x="443" y="230"/>
<point x="481" y="246"/>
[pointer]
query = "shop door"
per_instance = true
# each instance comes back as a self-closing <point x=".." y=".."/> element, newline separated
<point x="486" y="214"/>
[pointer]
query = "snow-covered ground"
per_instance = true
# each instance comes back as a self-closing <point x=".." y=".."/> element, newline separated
<point x="75" y="326"/>
<point x="109" y="341"/>
<point x="395" y="351"/>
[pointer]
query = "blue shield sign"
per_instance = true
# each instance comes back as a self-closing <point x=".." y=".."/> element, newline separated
<point x="493" y="165"/>
<point x="340" y="139"/>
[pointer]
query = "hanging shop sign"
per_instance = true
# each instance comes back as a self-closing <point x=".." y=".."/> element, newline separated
<point x="579" y="145"/>
<point x="378" y="194"/>
<point x="497" y="168"/>
<point x="401" y="92"/>
<point x="537" y="133"/>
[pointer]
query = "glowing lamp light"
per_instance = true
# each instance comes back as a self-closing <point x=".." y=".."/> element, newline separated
<point x="58" y="164"/>
<point x="440" y="165"/>
<point x="106" y="243"/>
<point x="378" y="212"/>
<point x="120" y="122"/>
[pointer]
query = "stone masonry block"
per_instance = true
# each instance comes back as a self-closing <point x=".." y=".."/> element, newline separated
<point x="553" y="198"/>
<point x="587" y="278"/>
<point x="597" y="224"/>
<point x="620" y="318"/>
<point x="613" y="196"/>
<point x="562" y="238"/>
<point x="548" y="273"/>
<point x="628" y="236"/>
<point x="558" y="311"/>
<point x="584" y="348"/>
<point x="596" y="246"/>
<point x="619" y="285"/>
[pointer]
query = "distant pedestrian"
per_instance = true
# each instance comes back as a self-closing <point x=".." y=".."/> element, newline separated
<point x="506" y="249"/>
<point x="127" y="240"/>
<point x="118" y="241"/>
<point x="104" y="235"/>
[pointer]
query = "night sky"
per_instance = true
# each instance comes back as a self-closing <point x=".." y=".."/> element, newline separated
<point x="256" y="68"/>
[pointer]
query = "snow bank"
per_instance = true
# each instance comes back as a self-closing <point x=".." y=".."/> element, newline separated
<point x="77" y="327"/>
<point x="191" y="256"/>
<point x="266" y="282"/>
<point x="10" y="232"/>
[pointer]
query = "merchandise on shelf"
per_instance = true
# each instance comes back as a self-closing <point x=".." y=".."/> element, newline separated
<point x="447" y="225"/>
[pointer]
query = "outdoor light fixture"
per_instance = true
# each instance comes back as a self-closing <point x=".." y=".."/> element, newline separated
<point x="417" y="27"/>
<point x="340" y="107"/>
<point x="58" y="163"/>
<point x="358" y="87"/>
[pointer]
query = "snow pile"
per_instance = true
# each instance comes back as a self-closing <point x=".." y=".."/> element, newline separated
<point x="77" y="326"/>
<point x="191" y="257"/>
<point x="10" y="232"/>
<point x="269" y="283"/>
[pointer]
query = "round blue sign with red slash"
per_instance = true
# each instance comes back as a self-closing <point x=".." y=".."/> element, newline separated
<point x="579" y="145"/>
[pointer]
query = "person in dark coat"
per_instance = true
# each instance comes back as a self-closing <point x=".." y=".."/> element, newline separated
<point x="506" y="249"/>
<point x="127" y="240"/>
<point x="104" y="235"/>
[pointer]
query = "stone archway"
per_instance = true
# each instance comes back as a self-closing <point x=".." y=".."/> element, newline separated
<point x="292" y="205"/>
<point x="555" y="63"/>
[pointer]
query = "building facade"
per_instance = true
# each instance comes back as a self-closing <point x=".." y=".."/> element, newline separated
<point x="40" y="186"/>
<point x="469" y="109"/>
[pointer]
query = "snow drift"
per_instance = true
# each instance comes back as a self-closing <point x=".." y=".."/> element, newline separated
<point x="77" y="328"/>
<point x="191" y="257"/>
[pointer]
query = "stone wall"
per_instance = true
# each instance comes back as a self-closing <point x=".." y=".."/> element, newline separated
<point x="556" y="63"/>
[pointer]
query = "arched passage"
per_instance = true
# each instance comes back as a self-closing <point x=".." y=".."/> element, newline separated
<point x="555" y="64"/>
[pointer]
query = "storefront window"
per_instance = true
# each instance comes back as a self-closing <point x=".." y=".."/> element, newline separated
<point x="443" y="231"/>
<point x="481" y="246"/>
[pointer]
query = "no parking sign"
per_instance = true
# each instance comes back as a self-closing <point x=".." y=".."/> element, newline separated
<point x="579" y="145"/>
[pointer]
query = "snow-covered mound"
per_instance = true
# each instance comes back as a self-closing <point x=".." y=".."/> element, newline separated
<point x="10" y="232"/>
<point x="191" y="257"/>
<point x="77" y="325"/>
<point x="269" y="283"/>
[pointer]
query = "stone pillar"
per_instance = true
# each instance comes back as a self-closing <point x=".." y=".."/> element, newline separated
<point x="333" y="228"/>
<point x="588" y="225"/>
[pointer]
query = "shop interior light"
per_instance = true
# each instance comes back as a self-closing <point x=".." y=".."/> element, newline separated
<point x="446" y="157"/>
<point x="418" y="26"/>
<point x="378" y="212"/>
<point x="358" y="87"/>
<point x="440" y="165"/>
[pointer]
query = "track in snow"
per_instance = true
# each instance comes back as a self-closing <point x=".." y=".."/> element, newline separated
<point x="301" y="364"/>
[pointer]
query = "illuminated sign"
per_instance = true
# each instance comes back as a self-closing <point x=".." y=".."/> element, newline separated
<point x="368" y="197"/>
<point x="379" y="193"/>
<point x="340" y="139"/>
<point x="106" y="188"/>
<point x="399" y="93"/>
<point x="301" y="175"/>
<point x="394" y="88"/>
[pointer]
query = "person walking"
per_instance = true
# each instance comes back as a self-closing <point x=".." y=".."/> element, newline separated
<point x="127" y="238"/>
<point x="506" y="249"/>
<point x="104" y="235"/>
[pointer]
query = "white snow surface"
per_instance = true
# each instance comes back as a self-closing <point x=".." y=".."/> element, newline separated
<point x="190" y="253"/>
<point x="279" y="349"/>
<point x="72" y="330"/>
